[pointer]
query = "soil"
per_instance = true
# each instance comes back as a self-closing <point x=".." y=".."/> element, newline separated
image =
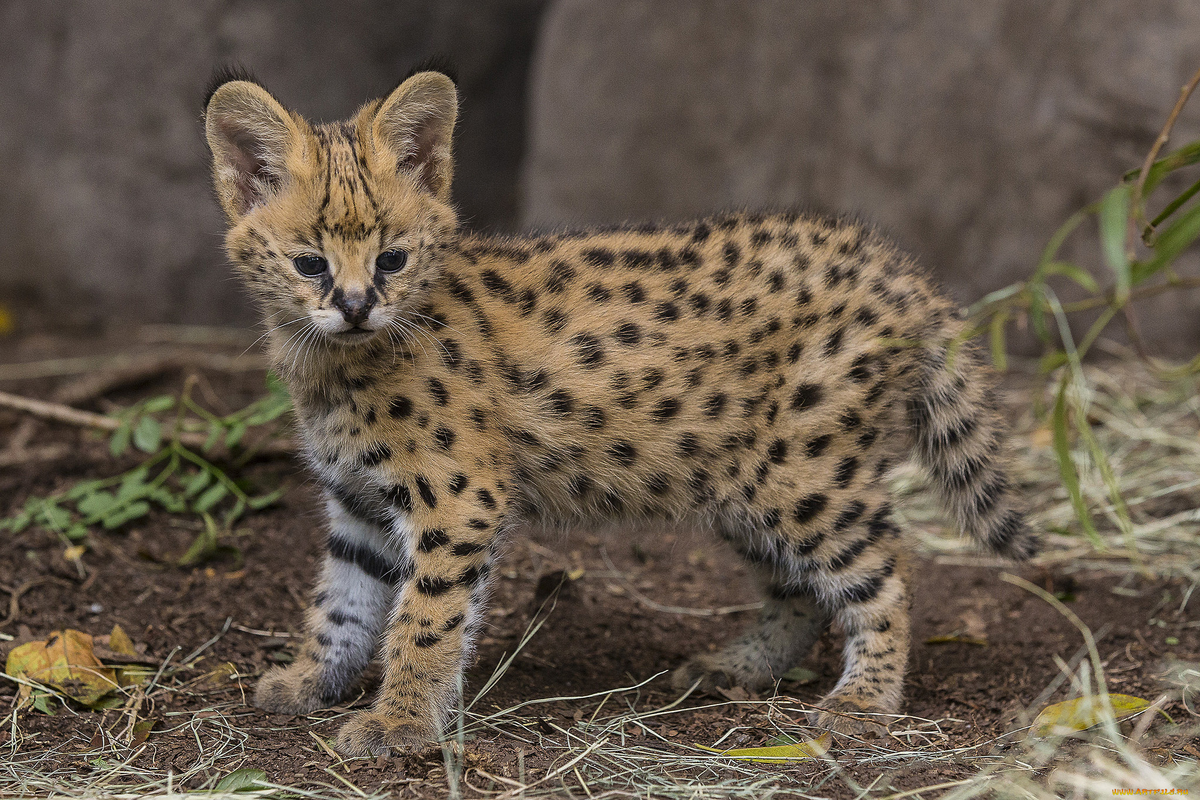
<point x="597" y="591"/>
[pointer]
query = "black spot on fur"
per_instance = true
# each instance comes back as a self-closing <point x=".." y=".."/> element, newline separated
<point x="485" y="499"/>
<point x="806" y="396"/>
<point x="444" y="437"/>
<point x="400" y="407"/>
<point x="628" y="334"/>
<point x="623" y="452"/>
<point x="426" y="491"/>
<point x="437" y="391"/>
<point x="592" y="417"/>
<point x="432" y="539"/>
<point x="561" y="402"/>
<point x="666" y="408"/>
<point x="807" y="508"/>
<point x="634" y="291"/>
<point x="598" y="257"/>
<point x="845" y="472"/>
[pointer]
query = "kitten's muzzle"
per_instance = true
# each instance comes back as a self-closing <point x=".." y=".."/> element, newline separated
<point x="355" y="306"/>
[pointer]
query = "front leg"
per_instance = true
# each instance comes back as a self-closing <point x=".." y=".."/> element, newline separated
<point x="360" y="576"/>
<point x="431" y="632"/>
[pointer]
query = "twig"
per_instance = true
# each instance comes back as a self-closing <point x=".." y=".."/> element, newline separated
<point x="57" y="412"/>
<point x="28" y="455"/>
<point x="1159" y="143"/>
<point x="127" y="362"/>
<point x="1138" y="294"/>
<point x="14" y="596"/>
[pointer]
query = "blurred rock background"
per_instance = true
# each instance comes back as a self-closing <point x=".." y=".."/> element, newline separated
<point x="970" y="131"/>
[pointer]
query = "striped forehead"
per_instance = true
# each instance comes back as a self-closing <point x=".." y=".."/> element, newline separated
<point x="347" y="210"/>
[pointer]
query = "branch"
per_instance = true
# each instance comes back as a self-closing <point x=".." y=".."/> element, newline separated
<point x="57" y="412"/>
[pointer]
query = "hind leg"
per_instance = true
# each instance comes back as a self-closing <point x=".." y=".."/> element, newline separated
<point x="789" y="624"/>
<point x="871" y="604"/>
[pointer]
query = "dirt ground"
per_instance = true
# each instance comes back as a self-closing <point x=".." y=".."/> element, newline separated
<point x="606" y="629"/>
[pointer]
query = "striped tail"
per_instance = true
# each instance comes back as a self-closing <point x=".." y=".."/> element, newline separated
<point x="959" y="437"/>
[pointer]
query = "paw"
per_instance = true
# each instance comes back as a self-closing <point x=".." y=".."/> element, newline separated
<point x="369" y="733"/>
<point x="292" y="690"/>
<point x="715" y="672"/>
<point x="852" y="718"/>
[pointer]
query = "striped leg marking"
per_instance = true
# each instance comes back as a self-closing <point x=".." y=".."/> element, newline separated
<point x="362" y="573"/>
<point x="788" y="626"/>
<point x="875" y="618"/>
<point x="430" y="638"/>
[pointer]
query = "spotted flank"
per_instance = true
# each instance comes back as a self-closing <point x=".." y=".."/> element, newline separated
<point x="756" y="374"/>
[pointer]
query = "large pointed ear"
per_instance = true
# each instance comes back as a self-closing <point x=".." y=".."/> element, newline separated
<point x="250" y="135"/>
<point x="414" y="126"/>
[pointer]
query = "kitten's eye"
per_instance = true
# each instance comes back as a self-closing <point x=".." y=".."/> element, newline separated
<point x="310" y="266"/>
<point x="391" y="260"/>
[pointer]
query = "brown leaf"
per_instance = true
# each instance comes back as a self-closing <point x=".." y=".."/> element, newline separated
<point x="65" y="660"/>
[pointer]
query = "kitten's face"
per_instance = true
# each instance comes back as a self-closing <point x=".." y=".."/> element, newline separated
<point x="336" y="229"/>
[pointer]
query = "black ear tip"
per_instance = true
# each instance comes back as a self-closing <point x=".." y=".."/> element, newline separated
<point x="439" y="63"/>
<point x="226" y="74"/>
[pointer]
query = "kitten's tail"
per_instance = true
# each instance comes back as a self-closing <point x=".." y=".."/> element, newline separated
<point x="958" y="436"/>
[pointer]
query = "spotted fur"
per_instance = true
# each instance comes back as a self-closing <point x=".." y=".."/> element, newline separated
<point x="753" y="373"/>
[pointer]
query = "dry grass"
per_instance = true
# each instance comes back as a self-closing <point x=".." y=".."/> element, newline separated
<point x="1148" y="429"/>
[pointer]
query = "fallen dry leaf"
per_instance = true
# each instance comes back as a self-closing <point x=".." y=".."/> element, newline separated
<point x="796" y="751"/>
<point x="1082" y="713"/>
<point x="65" y="660"/>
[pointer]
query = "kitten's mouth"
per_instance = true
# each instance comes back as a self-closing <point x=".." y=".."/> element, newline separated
<point x="355" y="334"/>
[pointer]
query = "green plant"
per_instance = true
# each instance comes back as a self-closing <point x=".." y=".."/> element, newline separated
<point x="1141" y="255"/>
<point x="178" y="473"/>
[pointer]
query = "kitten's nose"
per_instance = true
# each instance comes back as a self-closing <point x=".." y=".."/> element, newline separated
<point x="355" y="306"/>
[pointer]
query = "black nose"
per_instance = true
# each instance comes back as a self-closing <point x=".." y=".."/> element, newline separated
<point x="355" y="306"/>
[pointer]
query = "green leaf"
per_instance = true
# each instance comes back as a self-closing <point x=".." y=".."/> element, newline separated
<point x="119" y="442"/>
<point x="203" y="547"/>
<point x="82" y="489"/>
<point x="76" y="532"/>
<point x="233" y="513"/>
<point x="275" y="384"/>
<point x="1174" y="239"/>
<point x="1066" y="464"/>
<point x="214" y="435"/>
<point x="996" y="335"/>
<point x="18" y="522"/>
<point x="1184" y="156"/>
<point x="264" y="500"/>
<point x="53" y="516"/>
<point x="147" y="436"/>
<point x="96" y="504"/>
<point x="172" y="502"/>
<point x="241" y="780"/>
<point x="120" y="516"/>
<point x="1051" y="361"/>
<point x="196" y="483"/>
<point x="213" y="495"/>
<point x="41" y="702"/>
<point x="133" y="485"/>
<point x="156" y="405"/>
<point x="1114" y="228"/>
<point x="1075" y="273"/>
<point x="799" y="675"/>
<point x="235" y="434"/>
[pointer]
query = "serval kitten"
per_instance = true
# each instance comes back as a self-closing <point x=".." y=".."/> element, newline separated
<point x="753" y="373"/>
